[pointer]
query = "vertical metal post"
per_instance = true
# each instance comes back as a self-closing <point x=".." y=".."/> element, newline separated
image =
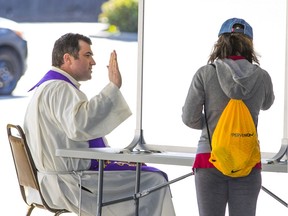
<point x="284" y="143"/>
<point x="137" y="187"/>
<point x="285" y="128"/>
<point x="285" y="132"/>
<point x="138" y="138"/>
<point x="100" y="188"/>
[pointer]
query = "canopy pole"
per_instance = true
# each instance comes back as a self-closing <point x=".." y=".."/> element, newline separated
<point x="138" y="138"/>
<point x="284" y="144"/>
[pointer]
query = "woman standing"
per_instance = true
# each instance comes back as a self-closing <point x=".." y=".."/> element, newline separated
<point x="232" y="71"/>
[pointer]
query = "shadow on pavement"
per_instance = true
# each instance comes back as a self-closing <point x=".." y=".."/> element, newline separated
<point x="5" y="97"/>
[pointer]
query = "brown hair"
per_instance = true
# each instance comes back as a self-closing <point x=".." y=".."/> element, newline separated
<point x="233" y="44"/>
<point x="68" y="43"/>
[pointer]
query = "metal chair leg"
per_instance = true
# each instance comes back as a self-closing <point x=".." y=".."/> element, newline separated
<point x="30" y="209"/>
<point x="60" y="212"/>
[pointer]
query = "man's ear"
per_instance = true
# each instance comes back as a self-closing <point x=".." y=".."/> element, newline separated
<point x="66" y="58"/>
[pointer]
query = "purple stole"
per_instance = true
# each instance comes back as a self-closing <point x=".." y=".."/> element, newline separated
<point x="98" y="142"/>
<point x="52" y="75"/>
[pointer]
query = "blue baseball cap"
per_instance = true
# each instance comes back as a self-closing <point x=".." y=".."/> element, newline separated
<point x="236" y="25"/>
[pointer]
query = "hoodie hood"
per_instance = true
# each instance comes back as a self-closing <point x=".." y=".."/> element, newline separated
<point x="239" y="79"/>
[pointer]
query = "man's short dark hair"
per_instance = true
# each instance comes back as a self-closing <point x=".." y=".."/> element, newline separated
<point x="68" y="43"/>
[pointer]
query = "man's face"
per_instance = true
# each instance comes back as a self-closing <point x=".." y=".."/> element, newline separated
<point x="81" y="68"/>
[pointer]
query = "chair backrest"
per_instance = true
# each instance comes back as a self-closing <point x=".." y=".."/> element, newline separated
<point x="23" y="163"/>
<point x="25" y="168"/>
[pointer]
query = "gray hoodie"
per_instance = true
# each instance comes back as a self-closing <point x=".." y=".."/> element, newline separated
<point x="214" y="86"/>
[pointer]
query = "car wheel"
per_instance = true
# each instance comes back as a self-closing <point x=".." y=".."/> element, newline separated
<point x="10" y="71"/>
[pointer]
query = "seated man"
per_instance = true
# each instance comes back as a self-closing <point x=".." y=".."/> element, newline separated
<point x="59" y="115"/>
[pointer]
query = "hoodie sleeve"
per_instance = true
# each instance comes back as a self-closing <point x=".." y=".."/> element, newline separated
<point x="192" y="115"/>
<point x="269" y="93"/>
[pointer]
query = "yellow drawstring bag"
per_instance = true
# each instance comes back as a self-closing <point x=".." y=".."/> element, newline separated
<point x="235" y="145"/>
